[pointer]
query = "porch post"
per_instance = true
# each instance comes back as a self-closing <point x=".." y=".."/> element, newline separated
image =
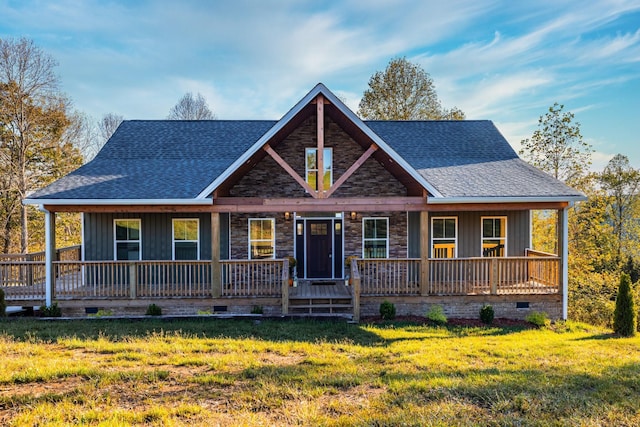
<point x="49" y="254"/>
<point x="216" y="276"/>
<point x="424" y="253"/>
<point x="563" y="251"/>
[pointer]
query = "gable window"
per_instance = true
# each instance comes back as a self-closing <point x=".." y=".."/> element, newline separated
<point x="311" y="167"/>
<point x="262" y="238"/>
<point x="494" y="236"/>
<point x="444" y="237"/>
<point x="186" y="242"/>
<point x="375" y="238"/>
<point x="127" y="240"/>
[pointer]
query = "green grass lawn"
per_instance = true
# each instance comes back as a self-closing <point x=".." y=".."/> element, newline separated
<point x="234" y="372"/>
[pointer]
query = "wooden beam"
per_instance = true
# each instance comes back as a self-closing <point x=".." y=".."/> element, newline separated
<point x="354" y="167"/>
<point x="320" y="140"/>
<point x="279" y="160"/>
<point x="216" y="271"/>
<point x="334" y="204"/>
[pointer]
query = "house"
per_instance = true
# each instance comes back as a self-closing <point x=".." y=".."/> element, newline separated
<point x="204" y="215"/>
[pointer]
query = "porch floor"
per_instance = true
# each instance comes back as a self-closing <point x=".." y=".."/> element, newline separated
<point x="307" y="290"/>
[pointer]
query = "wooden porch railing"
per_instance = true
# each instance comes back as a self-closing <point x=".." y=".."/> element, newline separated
<point x="248" y="278"/>
<point x="381" y="276"/>
<point x="512" y="275"/>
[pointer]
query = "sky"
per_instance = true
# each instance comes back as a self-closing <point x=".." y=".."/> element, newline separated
<point x="506" y="61"/>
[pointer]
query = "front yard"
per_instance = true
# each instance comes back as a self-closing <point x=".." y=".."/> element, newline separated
<point x="243" y="372"/>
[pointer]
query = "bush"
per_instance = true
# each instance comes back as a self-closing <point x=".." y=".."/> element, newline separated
<point x="153" y="310"/>
<point x="387" y="310"/>
<point x="486" y="314"/>
<point x="52" y="310"/>
<point x="3" y="304"/>
<point x="436" y="315"/>
<point x="257" y="309"/>
<point x="538" y="318"/>
<point x="624" y="315"/>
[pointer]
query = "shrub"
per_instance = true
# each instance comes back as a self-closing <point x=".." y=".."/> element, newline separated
<point x="153" y="310"/>
<point x="257" y="309"/>
<point x="52" y="310"/>
<point x="3" y="304"/>
<point x="436" y="315"/>
<point x="387" y="310"/>
<point x="538" y="318"/>
<point x="486" y="314"/>
<point x="624" y="315"/>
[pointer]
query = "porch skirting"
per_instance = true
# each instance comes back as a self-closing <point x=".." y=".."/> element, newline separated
<point x="464" y="307"/>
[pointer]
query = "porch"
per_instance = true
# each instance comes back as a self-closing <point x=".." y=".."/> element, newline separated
<point x="266" y="283"/>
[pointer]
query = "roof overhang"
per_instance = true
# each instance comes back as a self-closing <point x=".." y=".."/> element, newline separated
<point x="499" y="200"/>
<point x="120" y="202"/>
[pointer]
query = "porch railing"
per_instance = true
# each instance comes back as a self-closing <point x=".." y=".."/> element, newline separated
<point x="389" y="276"/>
<point x="248" y="278"/>
<point x="24" y="280"/>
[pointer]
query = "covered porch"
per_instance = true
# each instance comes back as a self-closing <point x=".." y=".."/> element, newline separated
<point x="267" y="284"/>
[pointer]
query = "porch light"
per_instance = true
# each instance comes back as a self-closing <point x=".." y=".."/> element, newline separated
<point x="287" y="216"/>
<point x="353" y="216"/>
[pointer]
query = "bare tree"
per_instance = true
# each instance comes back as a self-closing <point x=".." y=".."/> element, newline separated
<point x="108" y="125"/>
<point x="33" y="118"/>
<point x="190" y="108"/>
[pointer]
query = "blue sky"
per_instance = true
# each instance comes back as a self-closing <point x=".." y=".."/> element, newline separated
<point x="506" y="61"/>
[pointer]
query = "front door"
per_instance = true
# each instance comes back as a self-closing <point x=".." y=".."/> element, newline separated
<point x="319" y="248"/>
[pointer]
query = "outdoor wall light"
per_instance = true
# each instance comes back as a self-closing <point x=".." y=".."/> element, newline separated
<point x="353" y="216"/>
<point x="287" y="216"/>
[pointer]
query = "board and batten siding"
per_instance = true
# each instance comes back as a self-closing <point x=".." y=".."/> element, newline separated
<point x="470" y="231"/>
<point x="157" y="235"/>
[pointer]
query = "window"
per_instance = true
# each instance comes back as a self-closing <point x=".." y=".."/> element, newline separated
<point x="262" y="238"/>
<point x="375" y="238"/>
<point x="311" y="161"/>
<point x="494" y="236"/>
<point x="444" y="237"/>
<point x="186" y="244"/>
<point x="127" y="239"/>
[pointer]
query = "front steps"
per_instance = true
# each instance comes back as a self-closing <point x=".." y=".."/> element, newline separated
<point x="320" y="300"/>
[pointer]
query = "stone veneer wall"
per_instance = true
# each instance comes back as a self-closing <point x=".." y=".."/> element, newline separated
<point x="268" y="179"/>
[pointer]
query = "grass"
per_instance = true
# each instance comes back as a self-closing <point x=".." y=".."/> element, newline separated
<point x="234" y="372"/>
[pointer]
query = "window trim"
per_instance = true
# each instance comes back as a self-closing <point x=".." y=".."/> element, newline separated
<point x="173" y="237"/>
<point x="482" y="238"/>
<point x="273" y="238"/>
<point x="455" y="248"/>
<point x="387" y="239"/>
<point x="306" y="166"/>
<point x="116" y="241"/>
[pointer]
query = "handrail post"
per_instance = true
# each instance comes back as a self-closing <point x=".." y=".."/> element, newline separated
<point x="133" y="280"/>
<point x="355" y="275"/>
<point x="285" y="287"/>
<point x="493" y="276"/>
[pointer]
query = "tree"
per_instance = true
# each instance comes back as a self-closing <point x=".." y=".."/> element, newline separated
<point x="624" y="316"/>
<point x="33" y="119"/>
<point x="557" y="147"/>
<point x="622" y="183"/>
<point x="404" y="91"/>
<point x="108" y="125"/>
<point x="190" y="108"/>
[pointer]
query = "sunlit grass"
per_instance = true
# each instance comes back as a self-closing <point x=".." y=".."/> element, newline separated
<point x="221" y="372"/>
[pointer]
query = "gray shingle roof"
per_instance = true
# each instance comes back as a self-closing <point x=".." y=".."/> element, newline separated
<point x="159" y="159"/>
<point x="167" y="159"/>
<point x="468" y="158"/>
